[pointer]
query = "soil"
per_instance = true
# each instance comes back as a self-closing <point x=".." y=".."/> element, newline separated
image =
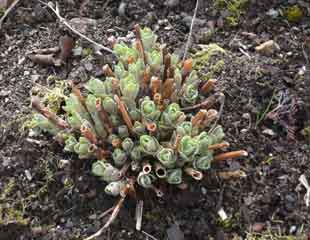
<point x="41" y="200"/>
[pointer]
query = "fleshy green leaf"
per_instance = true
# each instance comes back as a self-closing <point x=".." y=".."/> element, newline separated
<point x="174" y="176"/>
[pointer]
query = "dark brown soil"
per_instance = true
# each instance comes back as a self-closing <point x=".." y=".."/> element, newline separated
<point x="53" y="203"/>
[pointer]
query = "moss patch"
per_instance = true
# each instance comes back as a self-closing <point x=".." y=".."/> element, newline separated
<point x="211" y="58"/>
<point x="235" y="9"/>
<point x="294" y="14"/>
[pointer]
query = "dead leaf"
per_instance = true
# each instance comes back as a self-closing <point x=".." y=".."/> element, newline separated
<point x="44" y="59"/>
<point x="66" y="44"/>
<point x="53" y="56"/>
<point x="268" y="48"/>
<point x="232" y="174"/>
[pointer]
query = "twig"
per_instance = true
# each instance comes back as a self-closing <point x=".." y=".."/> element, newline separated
<point x="303" y="180"/>
<point x="149" y="235"/>
<point x="114" y="214"/>
<point x="65" y="22"/>
<point x="139" y="211"/>
<point x="191" y="31"/>
<point x="6" y="13"/>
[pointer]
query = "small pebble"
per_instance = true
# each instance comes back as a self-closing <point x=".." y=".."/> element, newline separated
<point x="28" y="175"/>
<point x="258" y="227"/>
<point x="269" y="132"/>
<point x="88" y="66"/>
<point x="4" y="93"/>
<point x="35" y="77"/>
<point x="268" y="48"/>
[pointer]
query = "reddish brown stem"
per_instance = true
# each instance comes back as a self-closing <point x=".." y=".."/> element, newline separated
<point x="124" y="170"/>
<point x="146" y="77"/>
<point x="155" y="85"/>
<point x="199" y="118"/>
<point x="104" y="116"/>
<point x="208" y="86"/>
<point x="124" y="113"/>
<point x="212" y="114"/>
<point x="89" y="134"/>
<point x="168" y="88"/>
<point x="187" y="68"/>
<point x="195" y="174"/>
<point x="218" y="146"/>
<point x="102" y="153"/>
<point x="157" y="99"/>
<point x="230" y="155"/>
<point x="140" y="43"/>
<point x="177" y="142"/>
<point x="167" y="64"/>
<point x="35" y="102"/>
<point x="209" y="102"/>
<point x="108" y="71"/>
<point x="116" y="142"/>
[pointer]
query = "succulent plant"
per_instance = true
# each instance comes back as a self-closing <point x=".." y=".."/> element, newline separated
<point x="148" y="122"/>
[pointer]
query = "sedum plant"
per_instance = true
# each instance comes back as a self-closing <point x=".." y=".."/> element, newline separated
<point x="149" y="122"/>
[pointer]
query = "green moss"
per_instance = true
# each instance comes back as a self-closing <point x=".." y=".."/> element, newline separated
<point x="235" y="9"/>
<point x="306" y="132"/>
<point x="229" y="223"/>
<point x="11" y="212"/>
<point x="294" y="14"/>
<point x="2" y="11"/>
<point x="87" y="52"/>
<point x="205" y="59"/>
<point x="8" y="189"/>
<point x="55" y="97"/>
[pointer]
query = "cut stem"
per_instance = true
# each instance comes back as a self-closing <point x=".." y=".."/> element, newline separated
<point x="155" y="85"/>
<point x="167" y="64"/>
<point x="198" y="119"/>
<point x="140" y="43"/>
<point x="218" y="146"/>
<point x="151" y="127"/>
<point x="146" y="167"/>
<point x="116" y="142"/>
<point x="197" y="175"/>
<point x="208" y="86"/>
<point x="209" y="102"/>
<point x="230" y="155"/>
<point x="87" y="132"/>
<point x="160" y="170"/>
<point x="146" y="78"/>
<point x="108" y="71"/>
<point x="187" y="68"/>
<point x="122" y="109"/>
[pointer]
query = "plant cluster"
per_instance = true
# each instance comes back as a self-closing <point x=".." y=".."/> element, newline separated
<point x="144" y="124"/>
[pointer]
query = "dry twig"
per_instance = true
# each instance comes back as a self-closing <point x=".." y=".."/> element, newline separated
<point x="190" y="31"/>
<point x="6" y="13"/>
<point x="65" y="22"/>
